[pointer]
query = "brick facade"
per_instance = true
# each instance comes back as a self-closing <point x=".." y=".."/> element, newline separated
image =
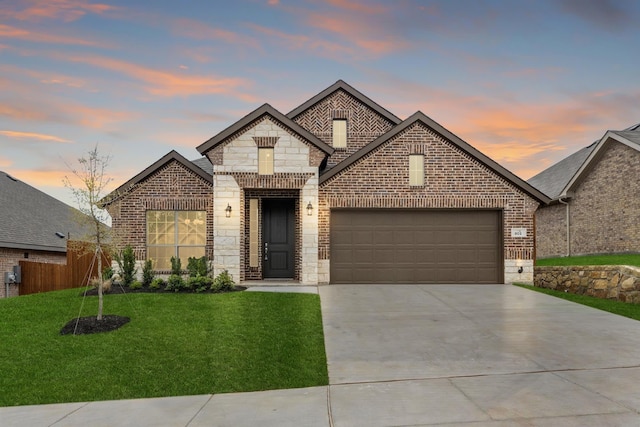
<point x="172" y="187"/>
<point x="453" y="180"/>
<point x="604" y="210"/>
<point x="10" y="257"/>
<point x="363" y="124"/>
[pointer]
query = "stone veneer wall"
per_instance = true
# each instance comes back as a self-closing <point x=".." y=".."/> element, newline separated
<point x="236" y="179"/>
<point x="617" y="282"/>
<point x="453" y="180"/>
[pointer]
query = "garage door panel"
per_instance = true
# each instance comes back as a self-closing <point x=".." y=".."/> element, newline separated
<point x="415" y="246"/>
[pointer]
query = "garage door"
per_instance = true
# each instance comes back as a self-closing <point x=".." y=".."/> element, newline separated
<point x="416" y="246"/>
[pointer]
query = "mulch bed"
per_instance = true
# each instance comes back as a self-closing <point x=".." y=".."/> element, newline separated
<point x="119" y="290"/>
<point x="91" y="325"/>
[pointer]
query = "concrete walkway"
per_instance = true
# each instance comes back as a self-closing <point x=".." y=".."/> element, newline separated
<point x="423" y="355"/>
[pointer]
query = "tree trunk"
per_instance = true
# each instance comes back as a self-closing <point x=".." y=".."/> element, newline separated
<point x="100" y="279"/>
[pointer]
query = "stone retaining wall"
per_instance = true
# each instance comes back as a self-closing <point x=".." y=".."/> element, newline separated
<point x="617" y="282"/>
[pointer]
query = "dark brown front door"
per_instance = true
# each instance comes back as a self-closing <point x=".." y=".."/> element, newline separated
<point x="416" y="246"/>
<point x="278" y="252"/>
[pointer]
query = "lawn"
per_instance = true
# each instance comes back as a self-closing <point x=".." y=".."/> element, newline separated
<point x="617" y="307"/>
<point x="616" y="259"/>
<point x="182" y="344"/>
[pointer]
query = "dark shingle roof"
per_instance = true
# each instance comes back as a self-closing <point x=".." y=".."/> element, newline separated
<point x="552" y="180"/>
<point x="30" y="219"/>
<point x="204" y="164"/>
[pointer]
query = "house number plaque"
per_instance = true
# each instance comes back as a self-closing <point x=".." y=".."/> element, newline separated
<point x="518" y="232"/>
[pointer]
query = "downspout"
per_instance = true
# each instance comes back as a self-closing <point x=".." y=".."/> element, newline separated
<point x="566" y="203"/>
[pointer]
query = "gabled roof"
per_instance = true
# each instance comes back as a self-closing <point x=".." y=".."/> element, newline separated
<point x="630" y="138"/>
<point x="558" y="180"/>
<point x="167" y="158"/>
<point x="439" y="129"/>
<point x="552" y="180"/>
<point x="30" y="219"/>
<point x="257" y="114"/>
<point x="341" y="85"/>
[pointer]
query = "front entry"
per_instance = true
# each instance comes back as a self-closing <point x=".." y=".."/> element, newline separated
<point x="278" y="238"/>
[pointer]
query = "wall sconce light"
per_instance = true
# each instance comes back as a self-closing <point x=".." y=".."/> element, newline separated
<point x="227" y="211"/>
<point x="520" y="270"/>
<point x="309" y="209"/>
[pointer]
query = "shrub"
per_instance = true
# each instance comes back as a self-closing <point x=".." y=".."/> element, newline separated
<point x="127" y="262"/>
<point x="223" y="282"/>
<point x="135" y="285"/>
<point x="107" y="273"/>
<point x="176" y="266"/>
<point x="157" y="283"/>
<point x="174" y="283"/>
<point x="197" y="266"/>
<point x="147" y="273"/>
<point x="199" y="283"/>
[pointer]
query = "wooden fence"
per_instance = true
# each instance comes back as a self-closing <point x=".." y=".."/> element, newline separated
<point x="43" y="277"/>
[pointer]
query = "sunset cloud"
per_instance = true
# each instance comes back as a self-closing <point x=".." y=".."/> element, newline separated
<point x="167" y="84"/>
<point x="198" y="30"/>
<point x="33" y="136"/>
<point x="64" y="113"/>
<point x="9" y="32"/>
<point x="64" y="10"/>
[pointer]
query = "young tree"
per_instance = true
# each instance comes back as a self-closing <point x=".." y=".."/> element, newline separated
<point x="88" y="185"/>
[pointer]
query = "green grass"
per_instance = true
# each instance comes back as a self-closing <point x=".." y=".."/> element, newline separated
<point x="617" y="307"/>
<point x="182" y="344"/>
<point x="615" y="259"/>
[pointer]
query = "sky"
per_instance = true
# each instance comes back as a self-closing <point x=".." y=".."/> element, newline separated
<point x="527" y="82"/>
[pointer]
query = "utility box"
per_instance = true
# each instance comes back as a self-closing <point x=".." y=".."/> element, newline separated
<point x="17" y="273"/>
<point x="9" y="278"/>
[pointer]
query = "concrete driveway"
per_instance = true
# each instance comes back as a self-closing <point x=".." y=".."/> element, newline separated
<point x="423" y="355"/>
<point x="484" y="355"/>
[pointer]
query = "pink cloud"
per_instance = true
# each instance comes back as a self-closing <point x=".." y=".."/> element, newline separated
<point x="64" y="112"/>
<point x="64" y="10"/>
<point x="33" y="136"/>
<point x="164" y="83"/>
<point x="7" y="31"/>
<point x="201" y="31"/>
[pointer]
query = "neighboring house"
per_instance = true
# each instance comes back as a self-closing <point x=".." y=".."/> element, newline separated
<point x="339" y="190"/>
<point x="595" y="194"/>
<point x="33" y="226"/>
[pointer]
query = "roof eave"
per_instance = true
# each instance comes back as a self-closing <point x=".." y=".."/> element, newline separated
<point x="341" y="84"/>
<point x="255" y="115"/>
<point x="595" y="154"/>
<point x="164" y="160"/>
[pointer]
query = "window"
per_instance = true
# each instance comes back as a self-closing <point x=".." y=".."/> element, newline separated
<point x="339" y="133"/>
<point x="175" y="233"/>
<point x="416" y="169"/>
<point x="265" y="161"/>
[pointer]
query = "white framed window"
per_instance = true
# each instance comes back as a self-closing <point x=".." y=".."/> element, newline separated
<point x="416" y="170"/>
<point x="339" y="133"/>
<point x="265" y="161"/>
<point x="181" y="234"/>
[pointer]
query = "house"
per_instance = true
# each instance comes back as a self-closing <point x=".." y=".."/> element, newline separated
<point x="595" y="205"/>
<point x="33" y="226"/>
<point x="339" y="190"/>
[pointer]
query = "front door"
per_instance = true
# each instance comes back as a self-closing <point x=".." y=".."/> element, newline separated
<point x="278" y="251"/>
